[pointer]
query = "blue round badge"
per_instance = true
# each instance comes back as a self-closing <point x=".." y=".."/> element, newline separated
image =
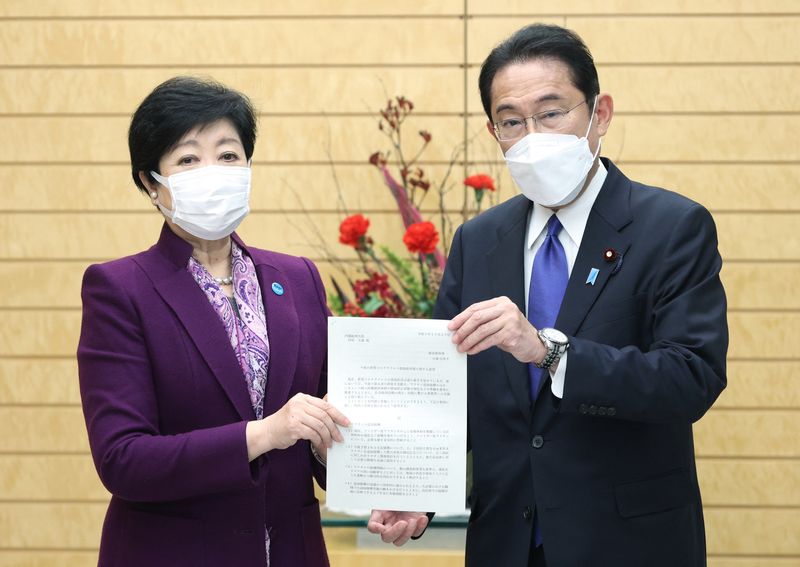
<point x="277" y="288"/>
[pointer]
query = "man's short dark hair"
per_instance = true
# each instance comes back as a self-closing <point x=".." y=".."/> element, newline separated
<point x="175" y="107"/>
<point x="541" y="41"/>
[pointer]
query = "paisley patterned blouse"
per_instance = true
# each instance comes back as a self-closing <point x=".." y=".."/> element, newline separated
<point x="245" y="323"/>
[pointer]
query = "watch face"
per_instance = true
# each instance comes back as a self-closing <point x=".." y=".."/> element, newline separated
<point x="556" y="336"/>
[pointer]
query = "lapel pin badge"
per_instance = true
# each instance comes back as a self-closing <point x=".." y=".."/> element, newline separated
<point x="609" y="255"/>
<point x="592" y="276"/>
<point x="277" y="288"/>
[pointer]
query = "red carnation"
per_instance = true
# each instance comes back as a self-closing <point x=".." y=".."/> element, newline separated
<point x="421" y="237"/>
<point x="480" y="182"/>
<point x="353" y="230"/>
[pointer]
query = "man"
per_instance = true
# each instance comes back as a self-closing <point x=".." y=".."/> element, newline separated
<point x="592" y="309"/>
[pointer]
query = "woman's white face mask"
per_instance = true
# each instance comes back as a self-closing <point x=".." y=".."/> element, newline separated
<point x="550" y="169"/>
<point x="208" y="202"/>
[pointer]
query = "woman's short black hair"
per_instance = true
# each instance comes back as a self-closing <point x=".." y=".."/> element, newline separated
<point x="175" y="107"/>
<point x="541" y="41"/>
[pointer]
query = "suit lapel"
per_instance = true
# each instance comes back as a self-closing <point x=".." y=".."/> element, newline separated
<point x="610" y="213"/>
<point x="506" y="273"/>
<point x="202" y="324"/>
<point x="283" y="330"/>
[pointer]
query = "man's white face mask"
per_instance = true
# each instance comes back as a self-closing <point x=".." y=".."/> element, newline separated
<point x="208" y="202"/>
<point x="550" y="169"/>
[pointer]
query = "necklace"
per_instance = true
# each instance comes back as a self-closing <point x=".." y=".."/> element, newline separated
<point x="224" y="281"/>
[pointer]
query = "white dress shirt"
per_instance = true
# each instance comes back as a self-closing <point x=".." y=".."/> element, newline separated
<point x="573" y="218"/>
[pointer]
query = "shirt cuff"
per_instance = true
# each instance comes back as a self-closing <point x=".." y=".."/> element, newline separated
<point x="557" y="377"/>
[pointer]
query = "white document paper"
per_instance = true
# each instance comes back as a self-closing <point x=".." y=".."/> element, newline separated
<point x="403" y="385"/>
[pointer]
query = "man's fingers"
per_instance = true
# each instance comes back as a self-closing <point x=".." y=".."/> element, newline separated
<point x="481" y="333"/>
<point x="411" y="527"/>
<point x="391" y="534"/>
<point x="478" y="321"/>
<point x="422" y="523"/>
<point x="459" y="319"/>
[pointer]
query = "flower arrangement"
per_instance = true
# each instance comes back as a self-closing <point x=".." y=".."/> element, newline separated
<point x="388" y="285"/>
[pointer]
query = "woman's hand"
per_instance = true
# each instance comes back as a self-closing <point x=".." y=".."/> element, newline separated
<point x="302" y="417"/>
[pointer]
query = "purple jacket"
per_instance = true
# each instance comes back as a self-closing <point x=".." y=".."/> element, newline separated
<point x="166" y="407"/>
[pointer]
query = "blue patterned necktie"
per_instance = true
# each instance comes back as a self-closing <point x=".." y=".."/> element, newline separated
<point x="548" y="283"/>
<point x="549" y="277"/>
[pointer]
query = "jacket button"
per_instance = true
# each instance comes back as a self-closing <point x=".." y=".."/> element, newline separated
<point x="582" y="408"/>
<point x="537" y="442"/>
<point x="526" y="513"/>
<point x="612" y="411"/>
<point x="601" y="410"/>
<point x="592" y="410"/>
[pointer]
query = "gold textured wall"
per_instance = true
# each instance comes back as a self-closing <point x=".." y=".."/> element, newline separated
<point x="708" y="103"/>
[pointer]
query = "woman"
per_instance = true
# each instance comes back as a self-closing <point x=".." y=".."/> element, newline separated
<point x="202" y="360"/>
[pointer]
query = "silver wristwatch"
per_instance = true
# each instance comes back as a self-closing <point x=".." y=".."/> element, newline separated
<point x="556" y="343"/>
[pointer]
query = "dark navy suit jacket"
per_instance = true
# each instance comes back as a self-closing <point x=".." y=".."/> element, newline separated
<point x="610" y="468"/>
<point x="166" y="406"/>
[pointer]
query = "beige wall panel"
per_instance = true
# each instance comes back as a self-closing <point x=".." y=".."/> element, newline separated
<point x="717" y="186"/>
<point x="679" y="89"/>
<point x="35" y="333"/>
<point x="761" y="286"/>
<point x="33" y="381"/>
<point x="724" y="482"/>
<point x="295" y="139"/>
<point x="76" y="236"/>
<point x="184" y="8"/>
<point x="50" y="477"/>
<point x="76" y="187"/>
<point x="42" y="429"/>
<point x="624" y="7"/>
<point x="756" y="531"/>
<point x="273" y="91"/>
<point x="62" y="236"/>
<point x="696" y="138"/>
<point x="83" y="188"/>
<point x="743" y="433"/>
<point x="341" y="558"/>
<point x="652" y="39"/>
<point x="41" y="558"/>
<point x="733" y="433"/>
<point x="745" y="187"/>
<point x="762" y="384"/>
<point x="748" y="329"/>
<point x="731" y="482"/>
<point x="351" y="138"/>
<point x="65" y="526"/>
<point x="31" y="333"/>
<point x="741" y="236"/>
<point x="244" y="41"/>
<point x="109" y="236"/>
<point x="45" y="525"/>
<point x="749" y="561"/>
<point x="57" y="284"/>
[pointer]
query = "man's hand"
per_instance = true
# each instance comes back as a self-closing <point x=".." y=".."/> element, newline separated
<point x="497" y="322"/>
<point x="397" y="527"/>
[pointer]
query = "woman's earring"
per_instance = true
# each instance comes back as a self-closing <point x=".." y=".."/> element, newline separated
<point x="154" y="194"/>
